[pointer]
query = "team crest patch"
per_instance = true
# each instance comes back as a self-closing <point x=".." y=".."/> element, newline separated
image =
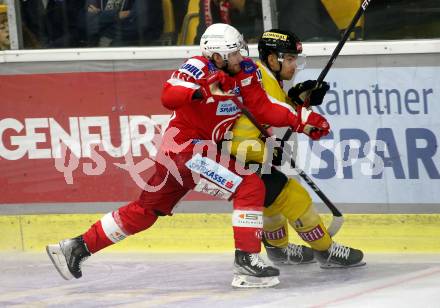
<point x="211" y="67"/>
<point x="248" y="66"/>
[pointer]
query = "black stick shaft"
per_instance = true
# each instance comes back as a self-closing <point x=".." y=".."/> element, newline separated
<point x="301" y="173"/>
<point x="335" y="54"/>
<point x="344" y="38"/>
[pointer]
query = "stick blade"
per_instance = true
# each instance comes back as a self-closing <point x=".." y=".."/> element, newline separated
<point x="335" y="225"/>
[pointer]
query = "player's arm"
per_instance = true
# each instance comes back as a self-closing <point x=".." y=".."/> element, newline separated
<point x="179" y="90"/>
<point x="193" y="82"/>
<point x="277" y="113"/>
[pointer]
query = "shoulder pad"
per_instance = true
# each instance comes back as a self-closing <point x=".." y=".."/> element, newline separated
<point x="195" y="67"/>
<point x="248" y="66"/>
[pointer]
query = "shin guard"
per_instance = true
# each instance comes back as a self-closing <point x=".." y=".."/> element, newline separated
<point x="247" y="226"/>
<point x="276" y="230"/>
<point x="311" y="229"/>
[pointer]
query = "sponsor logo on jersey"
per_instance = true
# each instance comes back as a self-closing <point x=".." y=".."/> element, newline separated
<point x="193" y="67"/>
<point x="191" y="70"/>
<point x="312" y="235"/>
<point x="247" y="219"/>
<point x="227" y="108"/>
<point x="214" y="172"/>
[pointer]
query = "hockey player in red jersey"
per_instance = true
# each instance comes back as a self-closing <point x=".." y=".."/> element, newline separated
<point x="203" y="96"/>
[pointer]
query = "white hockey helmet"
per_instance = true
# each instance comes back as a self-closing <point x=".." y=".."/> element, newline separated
<point x="222" y="39"/>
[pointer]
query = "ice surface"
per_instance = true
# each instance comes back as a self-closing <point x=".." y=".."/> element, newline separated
<point x="203" y="280"/>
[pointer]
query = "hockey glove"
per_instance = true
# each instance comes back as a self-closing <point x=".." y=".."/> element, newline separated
<point x="311" y="92"/>
<point x="217" y="84"/>
<point x="310" y="123"/>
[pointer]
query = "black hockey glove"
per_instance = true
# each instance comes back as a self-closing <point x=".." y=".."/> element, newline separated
<point x="309" y="91"/>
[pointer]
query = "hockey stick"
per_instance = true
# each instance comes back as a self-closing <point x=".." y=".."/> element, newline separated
<point x="337" y="215"/>
<point x="338" y="219"/>
<point x="335" y="54"/>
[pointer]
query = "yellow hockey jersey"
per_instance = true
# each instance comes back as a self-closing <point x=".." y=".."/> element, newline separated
<point x="246" y="143"/>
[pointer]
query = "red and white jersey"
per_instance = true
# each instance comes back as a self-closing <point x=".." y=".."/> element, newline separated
<point x="197" y="119"/>
<point x="210" y="120"/>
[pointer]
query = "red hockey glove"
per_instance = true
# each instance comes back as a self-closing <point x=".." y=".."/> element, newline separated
<point x="310" y="123"/>
<point x="217" y="84"/>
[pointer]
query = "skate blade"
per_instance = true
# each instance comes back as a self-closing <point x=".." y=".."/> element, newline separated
<point x="59" y="261"/>
<point x="245" y="281"/>
<point x="334" y="265"/>
<point x="284" y="262"/>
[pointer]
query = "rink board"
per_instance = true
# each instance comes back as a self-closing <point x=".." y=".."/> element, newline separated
<point x="78" y="131"/>
<point x="91" y="105"/>
<point x="185" y="232"/>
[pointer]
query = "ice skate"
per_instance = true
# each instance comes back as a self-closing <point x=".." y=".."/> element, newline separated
<point x="250" y="271"/>
<point x="339" y="256"/>
<point x="67" y="256"/>
<point x="292" y="254"/>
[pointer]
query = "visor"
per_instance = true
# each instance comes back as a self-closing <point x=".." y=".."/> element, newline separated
<point x="300" y="59"/>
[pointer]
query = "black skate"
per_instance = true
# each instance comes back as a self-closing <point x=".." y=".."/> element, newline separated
<point x="339" y="256"/>
<point x="292" y="254"/>
<point x="67" y="256"/>
<point x="250" y="271"/>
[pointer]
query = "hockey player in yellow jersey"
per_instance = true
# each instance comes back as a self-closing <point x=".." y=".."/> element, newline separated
<point x="287" y="202"/>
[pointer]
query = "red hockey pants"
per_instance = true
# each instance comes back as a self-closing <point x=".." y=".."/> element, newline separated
<point x="165" y="190"/>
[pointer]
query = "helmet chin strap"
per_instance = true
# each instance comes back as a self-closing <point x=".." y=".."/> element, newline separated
<point x="280" y="62"/>
<point x="278" y="73"/>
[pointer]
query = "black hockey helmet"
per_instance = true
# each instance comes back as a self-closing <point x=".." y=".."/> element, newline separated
<point x="279" y="41"/>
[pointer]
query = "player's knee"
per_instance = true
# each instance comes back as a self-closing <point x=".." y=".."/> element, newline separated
<point x="252" y="190"/>
<point x="309" y="218"/>
<point x="274" y="220"/>
<point x="134" y="217"/>
<point x="257" y="187"/>
<point x="148" y="202"/>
